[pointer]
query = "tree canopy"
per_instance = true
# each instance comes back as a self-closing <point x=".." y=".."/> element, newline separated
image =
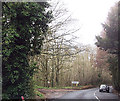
<point x="110" y="41"/>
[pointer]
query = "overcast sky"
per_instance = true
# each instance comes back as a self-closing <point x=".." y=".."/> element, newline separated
<point x="89" y="15"/>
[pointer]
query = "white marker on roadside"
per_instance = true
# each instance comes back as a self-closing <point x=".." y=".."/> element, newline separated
<point x="96" y="96"/>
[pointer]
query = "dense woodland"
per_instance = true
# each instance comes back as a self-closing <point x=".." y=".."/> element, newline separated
<point x="109" y="43"/>
<point x="39" y="49"/>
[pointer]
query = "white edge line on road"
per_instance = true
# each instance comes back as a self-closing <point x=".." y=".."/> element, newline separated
<point x="96" y="96"/>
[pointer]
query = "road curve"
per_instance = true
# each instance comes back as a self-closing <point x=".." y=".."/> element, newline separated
<point x="89" y="95"/>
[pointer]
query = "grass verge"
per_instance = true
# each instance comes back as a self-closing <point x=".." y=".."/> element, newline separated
<point x="69" y="87"/>
<point x="39" y="94"/>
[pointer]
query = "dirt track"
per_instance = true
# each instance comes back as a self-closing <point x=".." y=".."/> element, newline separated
<point x="54" y="93"/>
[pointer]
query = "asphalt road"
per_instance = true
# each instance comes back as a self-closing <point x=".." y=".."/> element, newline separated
<point x="89" y="95"/>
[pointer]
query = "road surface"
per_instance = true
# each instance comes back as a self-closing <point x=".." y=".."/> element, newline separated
<point x="89" y="95"/>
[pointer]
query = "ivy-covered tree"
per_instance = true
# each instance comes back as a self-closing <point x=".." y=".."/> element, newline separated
<point x="110" y="42"/>
<point x="24" y="26"/>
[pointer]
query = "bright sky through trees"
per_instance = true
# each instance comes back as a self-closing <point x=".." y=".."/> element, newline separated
<point x="89" y="15"/>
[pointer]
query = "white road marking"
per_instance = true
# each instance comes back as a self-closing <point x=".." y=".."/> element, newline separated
<point x="96" y="96"/>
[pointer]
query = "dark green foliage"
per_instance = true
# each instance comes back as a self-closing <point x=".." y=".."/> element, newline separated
<point x="113" y="61"/>
<point x="110" y="43"/>
<point x="24" y="26"/>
